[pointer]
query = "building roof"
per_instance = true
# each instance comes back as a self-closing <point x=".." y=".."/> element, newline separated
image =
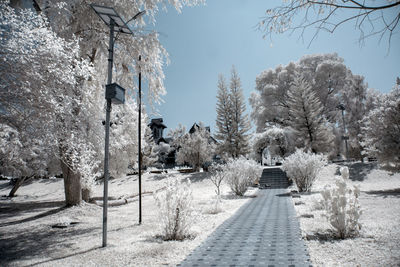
<point x="196" y="126"/>
<point x="158" y="122"/>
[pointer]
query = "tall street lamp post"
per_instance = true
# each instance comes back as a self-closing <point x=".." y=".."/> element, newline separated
<point x="344" y="137"/>
<point x="114" y="93"/>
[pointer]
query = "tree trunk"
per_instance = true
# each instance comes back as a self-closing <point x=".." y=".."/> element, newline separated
<point x="17" y="185"/>
<point x="86" y="194"/>
<point x="72" y="185"/>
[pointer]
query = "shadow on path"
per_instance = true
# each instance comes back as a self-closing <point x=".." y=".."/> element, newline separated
<point x="198" y="176"/>
<point x="385" y="193"/>
<point x="42" y="241"/>
<point x="358" y="171"/>
<point x="65" y="257"/>
<point x="14" y="209"/>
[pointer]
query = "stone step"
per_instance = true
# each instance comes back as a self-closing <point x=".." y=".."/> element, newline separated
<point x="273" y="178"/>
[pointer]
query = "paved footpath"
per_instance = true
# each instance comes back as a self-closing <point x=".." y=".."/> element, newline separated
<point x="264" y="232"/>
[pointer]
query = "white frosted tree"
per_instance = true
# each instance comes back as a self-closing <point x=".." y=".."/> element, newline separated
<point x="195" y="148"/>
<point x="305" y="117"/>
<point x="177" y="135"/>
<point x="325" y="73"/>
<point x="51" y="67"/>
<point x="92" y="34"/>
<point x="150" y="155"/>
<point x="240" y="121"/>
<point x="224" y="119"/>
<point x="381" y="131"/>
<point x="40" y="77"/>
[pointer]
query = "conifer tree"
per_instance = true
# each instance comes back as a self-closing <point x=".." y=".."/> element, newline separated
<point x="240" y="120"/>
<point x="224" y="118"/>
<point x="232" y="122"/>
<point x="305" y="117"/>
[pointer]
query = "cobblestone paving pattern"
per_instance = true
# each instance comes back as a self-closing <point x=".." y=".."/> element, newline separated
<point x="264" y="232"/>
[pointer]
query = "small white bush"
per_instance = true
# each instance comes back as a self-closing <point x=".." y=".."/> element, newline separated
<point x="344" y="171"/>
<point x="215" y="207"/>
<point x="217" y="176"/>
<point x="342" y="208"/>
<point x="303" y="167"/>
<point x="241" y="173"/>
<point x="175" y="209"/>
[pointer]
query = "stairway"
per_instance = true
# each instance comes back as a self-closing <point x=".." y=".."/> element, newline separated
<point x="273" y="178"/>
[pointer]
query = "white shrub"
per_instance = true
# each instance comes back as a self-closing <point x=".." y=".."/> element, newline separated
<point x="175" y="209"/>
<point x="303" y="167"/>
<point x="214" y="207"/>
<point x="342" y="208"/>
<point x="241" y="173"/>
<point x="344" y="171"/>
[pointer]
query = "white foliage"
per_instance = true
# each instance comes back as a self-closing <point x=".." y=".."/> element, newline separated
<point x="241" y="173"/>
<point x="342" y="208"/>
<point x="344" y="171"/>
<point x="40" y="73"/>
<point x="381" y="130"/>
<point x="149" y="153"/>
<point x="331" y="83"/>
<point x="162" y="150"/>
<point x="196" y="148"/>
<point x="175" y="209"/>
<point x="321" y="71"/>
<point x="93" y="41"/>
<point x="303" y="168"/>
<point x="124" y="138"/>
<point x="12" y="158"/>
<point x="177" y="135"/>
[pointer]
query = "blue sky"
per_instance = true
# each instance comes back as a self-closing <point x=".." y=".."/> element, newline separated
<point x="204" y="41"/>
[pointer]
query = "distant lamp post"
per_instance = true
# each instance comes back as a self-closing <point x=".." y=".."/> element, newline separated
<point x="140" y="140"/>
<point x="344" y="137"/>
<point x="114" y="93"/>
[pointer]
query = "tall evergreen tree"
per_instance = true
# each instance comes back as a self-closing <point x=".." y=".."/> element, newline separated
<point x="240" y="120"/>
<point x="224" y="118"/>
<point x="232" y="122"/>
<point x="305" y="117"/>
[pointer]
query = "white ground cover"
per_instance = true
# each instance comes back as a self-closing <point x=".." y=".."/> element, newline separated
<point x="379" y="240"/>
<point x="27" y="236"/>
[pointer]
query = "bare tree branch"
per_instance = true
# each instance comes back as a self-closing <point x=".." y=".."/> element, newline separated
<point x="369" y="19"/>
